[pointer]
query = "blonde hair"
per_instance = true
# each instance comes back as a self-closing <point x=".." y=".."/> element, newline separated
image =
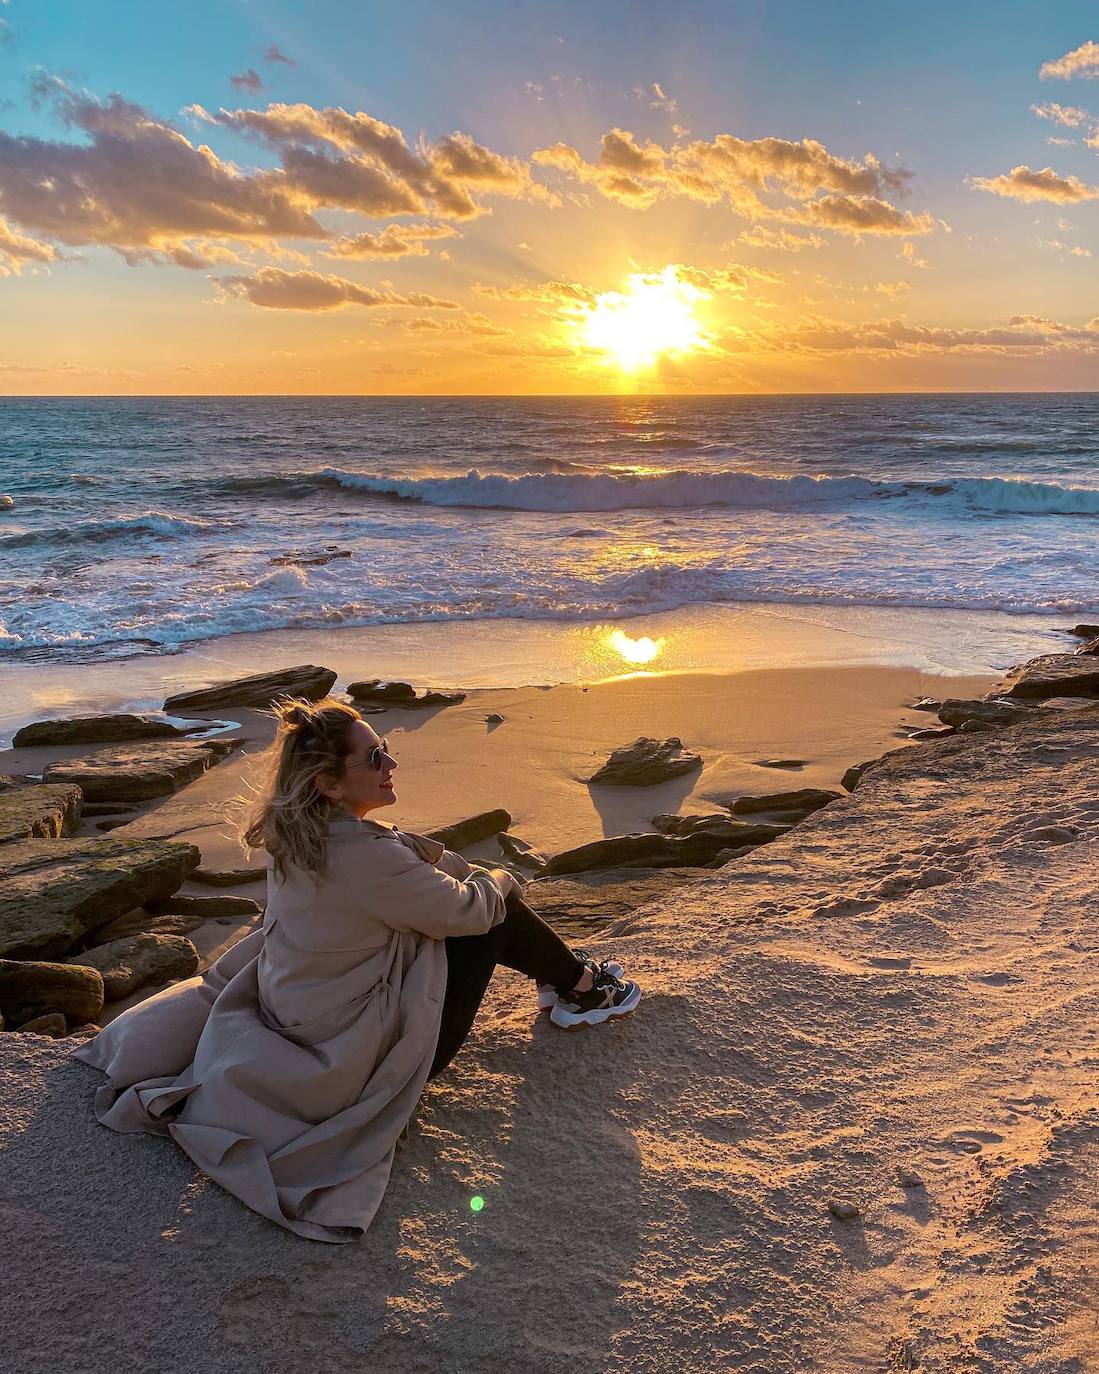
<point x="290" y="818"/>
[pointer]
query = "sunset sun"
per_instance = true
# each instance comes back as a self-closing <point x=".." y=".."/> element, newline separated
<point x="654" y="316"/>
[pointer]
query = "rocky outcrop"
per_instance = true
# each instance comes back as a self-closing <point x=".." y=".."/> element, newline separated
<point x="582" y="905"/>
<point x="1091" y="647"/>
<point x="137" y="772"/>
<point x="646" y="762"/>
<point x="137" y="960"/>
<point x="228" y="877"/>
<point x="139" y="922"/>
<point x="259" y="690"/>
<point x="378" y="692"/>
<point x="94" y="730"/>
<point x="41" y="810"/>
<point x="694" y="849"/>
<point x="1085" y="631"/>
<point x="484" y="826"/>
<point x="787" y="765"/>
<point x="53" y="1025"/>
<point x="34" y="987"/>
<point x="995" y="714"/>
<point x="1053" y="675"/>
<point x="203" y="907"/>
<point x="801" y="802"/>
<point x="54" y="892"/>
<point x="721" y="826"/>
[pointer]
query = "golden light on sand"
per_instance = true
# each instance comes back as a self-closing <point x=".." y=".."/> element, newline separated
<point x="642" y="650"/>
<point x="653" y="317"/>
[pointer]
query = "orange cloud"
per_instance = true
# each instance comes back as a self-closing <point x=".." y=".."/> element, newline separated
<point x="16" y="249"/>
<point x="395" y="241"/>
<point x="781" y="240"/>
<point x="857" y="215"/>
<point x="1022" y="183"/>
<point x="275" y="289"/>
<point x="1021" y="333"/>
<point x="1082" y="61"/>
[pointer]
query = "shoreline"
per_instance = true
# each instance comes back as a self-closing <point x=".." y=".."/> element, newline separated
<point x="497" y="654"/>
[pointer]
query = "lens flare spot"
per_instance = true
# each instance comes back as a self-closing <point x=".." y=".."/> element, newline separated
<point x="642" y="650"/>
<point x="476" y="1204"/>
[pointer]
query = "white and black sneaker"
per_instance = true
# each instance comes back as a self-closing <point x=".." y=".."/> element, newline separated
<point x="547" y="993"/>
<point x="609" y="996"/>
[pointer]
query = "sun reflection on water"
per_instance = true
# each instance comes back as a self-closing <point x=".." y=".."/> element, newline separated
<point x="643" y="650"/>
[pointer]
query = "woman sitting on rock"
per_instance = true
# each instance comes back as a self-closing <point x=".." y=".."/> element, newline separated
<point x="289" y="1070"/>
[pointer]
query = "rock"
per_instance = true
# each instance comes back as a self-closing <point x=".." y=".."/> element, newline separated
<point x="54" y="892"/>
<point x="44" y="810"/>
<point x="33" y="987"/>
<point x="484" y="826"/>
<point x="661" y="851"/>
<point x="645" y="763"/>
<point x="93" y="729"/>
<point x="139" y="922"/>
<point x="977" y="727"/>
<point x="1053" y="675"/>
<point x="803" y="801"/>
<point x="400" y="694"/>
<point x="259" y="691"/>
<point x="52" y="1024"/>
<point x="933" y="733"/>
<point x="925" y="704"/>
<point x="204" y="907"/>
<point x="854" y="774"/>
<point x="308" y="560"/>
<point x="844" y="1209"/>
<point x="1091" y="647"/>
<point x="994" y="713"/>
<point x="136" y="772"/>
<point x="84" y="1032"/>
<point x="908" y="1178"/>
<point x="721" y="826"/>
<point x="228" y="877"/>
<point x="1085" y="631"/>
<point x="525" y="855"/>
<point x="7" y="502"/>
<point x="725" y="856"/>
<point x="587" y="900"/>
<point x="494" y="718"/>
<point x="791" y="764"/>
<point x="107" y="808"/>
<point x="138" y="959"/>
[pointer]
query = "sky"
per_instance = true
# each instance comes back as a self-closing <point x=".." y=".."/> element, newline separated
<point x="250" y="197"/>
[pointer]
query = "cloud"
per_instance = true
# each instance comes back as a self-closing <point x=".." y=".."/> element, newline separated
<point x="656" y="98"/>
<point x="274" y="54"/>
<point x="275" y="289"/>
<point x="1073" y="249"/>
<point x="555" y="293"/>
<point x="363" y="163"/>
<point x="781" y="240"/>
<point x="741" y="172"/>
<point x="137" y="182"/>
<point x="395" y="241"/>
<point x="1020" y="334"/>
<point x="1082" y="61"/>
<point x="1022" y="183"/>
<point x="17" y="249"/>
<point x="909" y="254"/>
<point x="858" y="215"/>
<point x="247" y="80"/>
<point x="1069" y="116"/>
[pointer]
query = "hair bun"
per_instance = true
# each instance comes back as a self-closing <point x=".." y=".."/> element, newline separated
<point x="297" y="714"/>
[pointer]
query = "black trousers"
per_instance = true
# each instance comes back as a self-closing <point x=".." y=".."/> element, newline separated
<point x="521" y="941"/>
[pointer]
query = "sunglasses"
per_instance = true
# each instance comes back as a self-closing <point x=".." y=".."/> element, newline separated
<point x="375" y="758"/>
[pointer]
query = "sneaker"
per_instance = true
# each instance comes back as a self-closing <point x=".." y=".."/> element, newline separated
<point x="609" y="997"/>
<point x="547" y="993"/>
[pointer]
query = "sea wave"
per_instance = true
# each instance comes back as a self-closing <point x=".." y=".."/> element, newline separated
<point x="99" y="531"/>
<point x="692" y="489"/>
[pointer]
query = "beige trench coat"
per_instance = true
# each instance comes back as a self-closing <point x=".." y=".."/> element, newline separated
<point x="289" y="1069"/>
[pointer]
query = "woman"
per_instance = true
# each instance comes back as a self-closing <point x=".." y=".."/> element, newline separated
<point x="289" y="1070"/>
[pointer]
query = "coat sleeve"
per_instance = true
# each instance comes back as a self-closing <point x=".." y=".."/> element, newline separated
<point x="435" y="852"/>
<point x="407" y="893"/>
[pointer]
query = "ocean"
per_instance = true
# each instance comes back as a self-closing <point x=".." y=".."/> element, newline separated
<point x="144" y="525"/>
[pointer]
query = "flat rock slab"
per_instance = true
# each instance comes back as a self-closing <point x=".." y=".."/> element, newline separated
<point x="646" y="762"/>
<point x="204" y="907"/>
<point x="723" y="827"/>
<point x="1053" y="675"/>
<point x="93" y="730"/>
<point x="662" y="851"/>
<point x="41" y="810"/>
<point x="33" y="987"/>
<point x="582" y="904"/>
<point x="803" y="800"/>
<point x="484" y="826"/>
<point x="54" y="892"/>
<point x="259" y="690"/>
<point x="137" y="772"/>
<point x="380" y="693"/>
<point x="140" y="922"/>
<point x="958" y="712"/>
<point x="137" y="960"/>
<point x="228" y="877"/>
